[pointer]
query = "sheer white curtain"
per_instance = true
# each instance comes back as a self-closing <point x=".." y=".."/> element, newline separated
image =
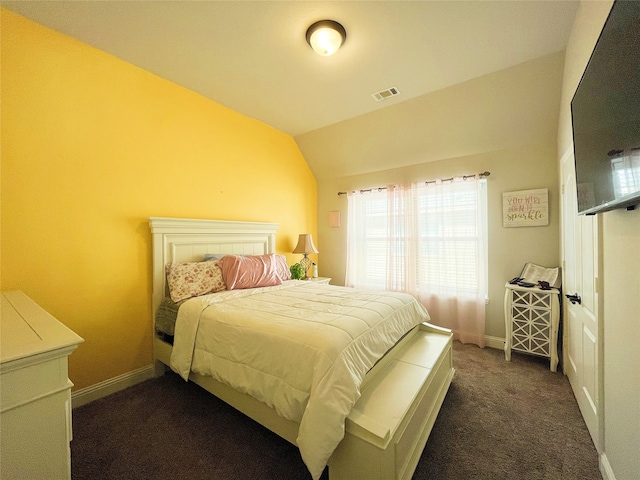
<point x="427" y="240"/>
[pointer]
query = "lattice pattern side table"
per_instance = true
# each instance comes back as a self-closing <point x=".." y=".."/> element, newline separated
<point x="532" y="318"/>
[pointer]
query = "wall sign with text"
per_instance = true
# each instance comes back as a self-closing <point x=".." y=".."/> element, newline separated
<point x="526" y="208"/>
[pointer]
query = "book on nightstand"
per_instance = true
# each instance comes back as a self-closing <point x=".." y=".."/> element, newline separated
<point x="532" y="275"/>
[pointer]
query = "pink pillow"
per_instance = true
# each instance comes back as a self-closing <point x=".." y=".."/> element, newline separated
<point x="250" y="271"/>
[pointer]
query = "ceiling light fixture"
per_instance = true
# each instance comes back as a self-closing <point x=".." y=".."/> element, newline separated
<point x="326" y="37"/>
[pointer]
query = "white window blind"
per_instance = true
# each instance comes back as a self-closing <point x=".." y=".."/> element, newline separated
<point x="428" y="240"/>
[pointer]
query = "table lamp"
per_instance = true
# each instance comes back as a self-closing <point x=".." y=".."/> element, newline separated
<point x="305" y="247"/>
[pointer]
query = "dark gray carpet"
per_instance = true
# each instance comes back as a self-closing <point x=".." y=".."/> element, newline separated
<point x="501" y="420"/>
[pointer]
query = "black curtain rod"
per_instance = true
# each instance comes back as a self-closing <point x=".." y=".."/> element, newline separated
<point x="464" y="177"/>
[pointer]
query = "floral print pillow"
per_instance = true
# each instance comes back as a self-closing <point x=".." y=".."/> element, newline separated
<point x="191" y="279"/>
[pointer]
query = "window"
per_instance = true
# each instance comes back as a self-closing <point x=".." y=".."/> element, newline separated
<point x="428" y="240"/>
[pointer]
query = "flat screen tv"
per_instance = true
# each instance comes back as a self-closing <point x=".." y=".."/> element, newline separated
<point x="605" y="114"/>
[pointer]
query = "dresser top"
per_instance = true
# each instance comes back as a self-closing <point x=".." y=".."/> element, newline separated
<point x="27" y="329"/>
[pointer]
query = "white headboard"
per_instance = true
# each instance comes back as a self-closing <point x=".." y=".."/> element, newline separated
<point x="188" y="240"/>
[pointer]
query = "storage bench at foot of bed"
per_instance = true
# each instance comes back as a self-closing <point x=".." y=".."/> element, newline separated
<point x="388" y="427"/>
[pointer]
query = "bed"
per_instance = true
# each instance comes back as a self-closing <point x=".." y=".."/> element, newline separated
<point x="395" y="402"/>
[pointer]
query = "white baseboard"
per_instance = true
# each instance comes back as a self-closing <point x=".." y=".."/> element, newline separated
<point x="115" y="384"/>
<point x="605" y="468"/>
<point x="112" y="385"/>
<point x="494" y="342"/>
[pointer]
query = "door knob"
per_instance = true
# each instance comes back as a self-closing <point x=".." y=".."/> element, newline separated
<point x="575" y="298"/>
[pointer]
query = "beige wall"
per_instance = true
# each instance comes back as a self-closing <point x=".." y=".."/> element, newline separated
<point x="522" y="162"/>
<point x="620" y="277"/>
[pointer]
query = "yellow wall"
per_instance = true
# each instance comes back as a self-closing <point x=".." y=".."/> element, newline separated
<point x="93" y="146"/>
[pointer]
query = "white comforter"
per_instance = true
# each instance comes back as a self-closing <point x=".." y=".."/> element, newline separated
<point x="300" y="347"/>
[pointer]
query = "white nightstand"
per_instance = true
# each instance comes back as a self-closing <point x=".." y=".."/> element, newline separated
<point x="532" y="317"/>
<point x="323" y="280"/>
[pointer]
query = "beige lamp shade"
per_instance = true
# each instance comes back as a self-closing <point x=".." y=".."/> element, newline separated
<point x="305" y="244"/>
<point x="305" y="247"/>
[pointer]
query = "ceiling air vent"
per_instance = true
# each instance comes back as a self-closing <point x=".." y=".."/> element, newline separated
<point x="384" y="94"/>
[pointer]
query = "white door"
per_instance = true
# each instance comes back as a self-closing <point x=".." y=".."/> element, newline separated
<point x="582" y="343"/>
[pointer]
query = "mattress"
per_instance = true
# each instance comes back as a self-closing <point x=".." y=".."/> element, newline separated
<point x="166" y="316"/>
<point x="300" y="347"/>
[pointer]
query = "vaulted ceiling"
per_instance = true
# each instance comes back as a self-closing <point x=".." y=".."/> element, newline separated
<point x="252" y="55"/>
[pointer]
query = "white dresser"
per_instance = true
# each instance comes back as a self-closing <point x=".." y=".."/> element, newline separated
<point x="35" y="391"/>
